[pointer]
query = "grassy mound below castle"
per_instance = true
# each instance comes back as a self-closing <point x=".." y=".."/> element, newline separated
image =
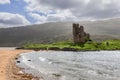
<point x="70" y="46"/>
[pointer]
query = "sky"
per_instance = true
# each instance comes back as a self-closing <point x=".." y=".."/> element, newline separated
<point x="27" y="12"/>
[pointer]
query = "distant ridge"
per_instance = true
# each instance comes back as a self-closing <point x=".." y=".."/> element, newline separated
<point x="58" y="31"/>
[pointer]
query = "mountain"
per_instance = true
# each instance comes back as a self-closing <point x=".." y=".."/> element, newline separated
<point x="58" y="31"/>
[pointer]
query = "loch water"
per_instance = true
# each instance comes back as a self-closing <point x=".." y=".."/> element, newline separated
<point x="63" y="65"/>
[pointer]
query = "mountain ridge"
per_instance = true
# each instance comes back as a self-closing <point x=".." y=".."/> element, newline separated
<point x="58" y="31"/>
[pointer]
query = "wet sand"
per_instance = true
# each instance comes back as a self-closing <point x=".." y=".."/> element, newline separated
<point x="8" y="69"/>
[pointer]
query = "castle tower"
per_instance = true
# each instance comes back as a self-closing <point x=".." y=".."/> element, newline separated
<point x="79" y="35"/>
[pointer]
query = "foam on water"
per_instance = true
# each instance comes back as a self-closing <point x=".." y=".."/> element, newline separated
<point x="59" y="65"/>
<point x="42" y="59"/>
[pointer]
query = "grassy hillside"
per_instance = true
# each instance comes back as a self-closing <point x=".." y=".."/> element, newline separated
<point x="58" y="31"/>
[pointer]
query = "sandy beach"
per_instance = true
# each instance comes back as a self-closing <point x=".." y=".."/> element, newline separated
<point x="8" y="70"/>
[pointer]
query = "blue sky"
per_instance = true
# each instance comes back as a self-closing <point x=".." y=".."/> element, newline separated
<point x="16" y="7"/>
<point x="27" y="12"/>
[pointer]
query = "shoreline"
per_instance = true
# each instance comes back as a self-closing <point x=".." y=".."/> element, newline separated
<point x="8" y="68"/>
<point x="68" y="49"/>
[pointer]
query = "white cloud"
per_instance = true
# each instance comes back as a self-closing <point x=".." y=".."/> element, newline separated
<point x="65" y="15"/>
<point x="59" y="16"/>
<point x="75" y="9"/>
<point x="9" y="19"/>
<point x="38" y="17"/>
<point x="4" y="1"/>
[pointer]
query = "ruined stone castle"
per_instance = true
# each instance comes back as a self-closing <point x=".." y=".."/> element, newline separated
<point x="79" y="35"/>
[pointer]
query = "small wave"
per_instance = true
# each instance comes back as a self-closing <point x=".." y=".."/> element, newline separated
<point x="24" y="59"/>
<point x="42" y="59"/>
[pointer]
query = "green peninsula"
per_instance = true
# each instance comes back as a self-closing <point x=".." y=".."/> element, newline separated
<point x="81" y="42"/>
<point x="70" y="46"/>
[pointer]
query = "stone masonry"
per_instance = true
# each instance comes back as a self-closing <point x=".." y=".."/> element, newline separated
<point x="79" y="35"/>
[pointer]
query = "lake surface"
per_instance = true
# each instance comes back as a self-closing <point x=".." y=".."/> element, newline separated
<point x="8" y="48"/>
<point x="60" y="65"/>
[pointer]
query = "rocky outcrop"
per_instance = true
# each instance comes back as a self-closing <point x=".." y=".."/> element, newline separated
<point x="79" y="35"/>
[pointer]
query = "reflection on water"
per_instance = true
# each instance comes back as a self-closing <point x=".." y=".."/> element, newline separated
<point x="54" y="65"/>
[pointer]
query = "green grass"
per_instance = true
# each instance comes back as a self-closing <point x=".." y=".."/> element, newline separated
<point x="105" y="45"/>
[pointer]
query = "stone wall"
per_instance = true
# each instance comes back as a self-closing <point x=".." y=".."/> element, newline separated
<point x="79" y="35"/>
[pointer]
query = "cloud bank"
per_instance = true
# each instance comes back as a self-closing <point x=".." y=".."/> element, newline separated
<point x="9" y="19"/>
<point x="42" y="11"/>
<point x="73" y="10"/>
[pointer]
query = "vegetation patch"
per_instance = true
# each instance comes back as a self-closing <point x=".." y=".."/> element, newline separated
<point x="70" y="46"/>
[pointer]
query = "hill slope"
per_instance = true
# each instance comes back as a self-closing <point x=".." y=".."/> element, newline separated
<point x="57" y="31"/>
